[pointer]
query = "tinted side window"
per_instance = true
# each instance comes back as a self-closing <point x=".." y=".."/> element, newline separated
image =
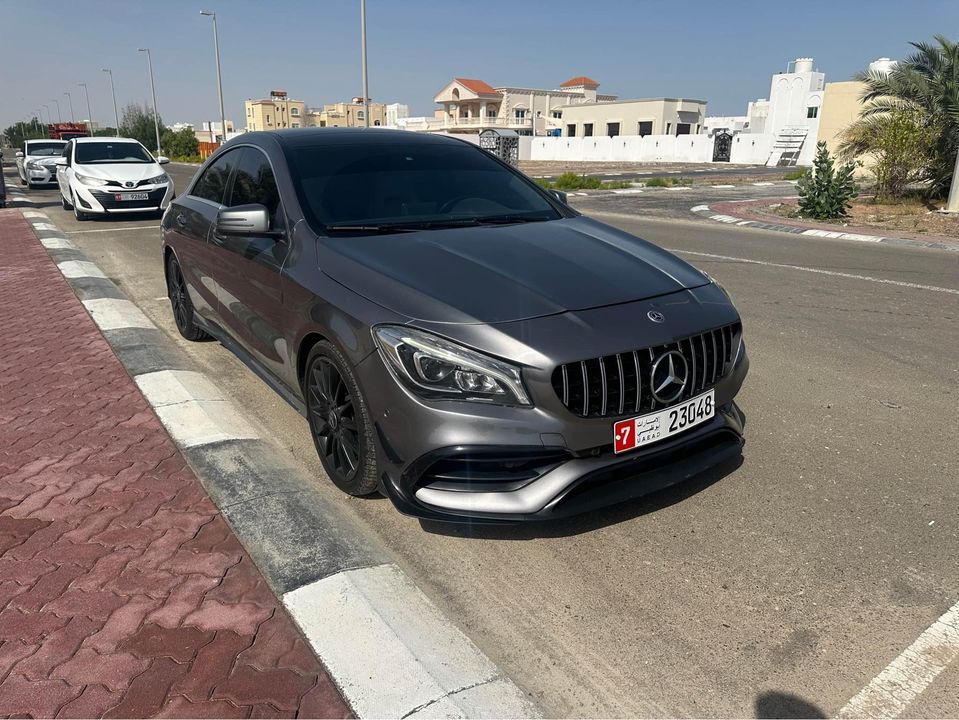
<point x="254" y="183"/>
<point x="212" y="184"/>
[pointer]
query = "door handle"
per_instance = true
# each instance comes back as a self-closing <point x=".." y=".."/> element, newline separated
<point x="181" y="219"/>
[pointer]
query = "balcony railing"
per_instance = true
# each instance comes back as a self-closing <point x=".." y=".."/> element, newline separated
<point x="474" y="122"/>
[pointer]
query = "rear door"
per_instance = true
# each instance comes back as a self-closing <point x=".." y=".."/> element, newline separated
<point x="250" y="282"/>
<point x="187" y="226"/>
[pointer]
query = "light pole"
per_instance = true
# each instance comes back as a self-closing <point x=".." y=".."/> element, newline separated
<point x="59" y="114"/>
<point x="219" y="81"/>
<point x="156" y="114"/>
<point x="952" y="205"/>
<point x="89" y="111"/>
<point x="73" y="118"/>
<point x="49" y="116"/>
<point x="366" y="89"/>
<point x="113" y="89"/>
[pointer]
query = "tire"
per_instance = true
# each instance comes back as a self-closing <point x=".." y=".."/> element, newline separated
<point x="77" y="212"/>
<point x="22" y="181"/>
<point x="180" y="303"/>
<point x="340" y="421"/>
<point x="64" y="203"/>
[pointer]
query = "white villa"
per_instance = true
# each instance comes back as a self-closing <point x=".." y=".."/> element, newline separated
<point x="470" y="106"/>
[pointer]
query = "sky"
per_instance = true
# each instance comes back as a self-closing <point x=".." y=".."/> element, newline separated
<point x="723" y="53"/>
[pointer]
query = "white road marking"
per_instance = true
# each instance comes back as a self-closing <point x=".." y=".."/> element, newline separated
<point x="55" y="243"/>
<point x="79" y="269"/>
<point x="401" y="656"/>
<point x="628" y="191"/>
<point x="698" y="208"/>
<point x="851" y="276"/>
<point x="113" y="314"/>
<point x="680" y="187"/>
<point x="35" y="214"/>
<point x="192" y="408"/>
<point x="119" y="229"/>
<point x="763" y="184"/>
<point x="906" y="677"/>
<point x="723" y="186"/>
<point x="45" y="226"/>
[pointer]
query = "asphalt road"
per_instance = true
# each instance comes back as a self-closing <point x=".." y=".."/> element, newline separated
<point x="778" y="587"/>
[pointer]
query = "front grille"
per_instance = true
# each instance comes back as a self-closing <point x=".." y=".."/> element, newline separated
<point x="109" y="201"/>
<point x="619" y="384"/>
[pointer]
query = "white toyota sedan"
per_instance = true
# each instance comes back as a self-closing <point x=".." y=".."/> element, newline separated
<point x="108" y="175"/>
<point x="36" y="161"/>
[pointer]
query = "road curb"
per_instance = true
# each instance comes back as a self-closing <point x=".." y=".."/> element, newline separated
<point x="705" y="211"/>
<point x="388" y="648"/>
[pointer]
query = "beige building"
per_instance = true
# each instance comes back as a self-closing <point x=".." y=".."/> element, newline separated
<point x="840" y="107"/>
<point x="470" y="106"/>
<point x="653" y="116"/>
<point x="347" y="114"/>
<point x="275" y="113"/>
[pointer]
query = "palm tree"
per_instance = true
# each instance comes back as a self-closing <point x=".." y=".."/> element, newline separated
<point x="925" y="88"/>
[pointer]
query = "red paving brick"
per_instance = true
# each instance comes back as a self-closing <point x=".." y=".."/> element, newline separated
<point x="123" y="591"/>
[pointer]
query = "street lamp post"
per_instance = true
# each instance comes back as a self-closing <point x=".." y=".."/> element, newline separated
<point x="113" y="89"/>
<point x="73" y="117"/>
<point x="219" y="81"/>
<point x="89" y="111"/>
<point x="952" y="205"/>
<point x="59" y="114"/>
<point x="156" y="114"/>
<point x="49" y="116"/>
<point x="366" y="89"/>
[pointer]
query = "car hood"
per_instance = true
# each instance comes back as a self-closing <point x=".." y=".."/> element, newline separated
<point x="123" y="172"/>
<point x="503" y="273"/>
<point x="41" y="159"/>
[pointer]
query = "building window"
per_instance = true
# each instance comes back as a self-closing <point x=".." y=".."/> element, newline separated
<point x="557" y="114"/>
<point x="587" y="129"/>
<point x="267" y="119"/>
<point x="295" y="125"/>
<point x="294" y="111"/>
<point x="645" y="128"/>
<point x="519" y="113"/>
<point x="322" y="123"/>
<point x="491" y="112"/>
<point x="612" y="129"/>
<point x="376" y="123"/>
<point x="683" y="128"/>
<point x="669" y="126"/>
<point x="812" y="112"/>
<point x="571" y="130"/>
<point x="360" y="115"/>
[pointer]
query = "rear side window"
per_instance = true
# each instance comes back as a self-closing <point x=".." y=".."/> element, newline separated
<point x="254" y="182"/>
<point x="213" y="182"/>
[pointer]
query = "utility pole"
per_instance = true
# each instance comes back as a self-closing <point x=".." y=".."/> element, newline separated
<point x="366" y="85"/>
<point x="113" y="89"/>
<point x="49" y="116"/>
<point x="59" y="114"/>
<point x="73" y="118"/>
<point x="219" y="81"/>
<point x="89" y="111"/>
<point x="153" y="89"/>
<point x="952" y="205"/>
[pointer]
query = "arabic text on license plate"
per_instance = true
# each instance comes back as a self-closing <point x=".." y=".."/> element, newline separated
<point x="133" y="196"/>
<point x="645" y="429"/>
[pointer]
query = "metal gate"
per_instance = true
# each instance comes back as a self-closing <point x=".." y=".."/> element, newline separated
<point x="504" y="144"/>
<point x="722" y="147"/>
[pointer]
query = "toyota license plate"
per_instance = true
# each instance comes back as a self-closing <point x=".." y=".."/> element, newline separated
<point x="132" y="196"/>
<point x="645" y="429"/>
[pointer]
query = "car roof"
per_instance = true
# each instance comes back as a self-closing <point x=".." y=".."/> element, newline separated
<point x="46" y="140"/>
<point x="298" y="138"/>
<point x="104" y="140"/>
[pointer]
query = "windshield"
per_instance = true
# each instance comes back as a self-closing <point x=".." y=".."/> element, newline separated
<point x="45" y="149"/>
<point x="426" y="185"/>
<point x="91" y="153"/>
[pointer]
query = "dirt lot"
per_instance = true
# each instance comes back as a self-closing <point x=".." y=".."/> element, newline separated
<point x="705" y="171"/>
<point x="912" y="216"/>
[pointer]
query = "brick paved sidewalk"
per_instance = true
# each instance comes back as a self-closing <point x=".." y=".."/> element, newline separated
<point x="123" y="592"/>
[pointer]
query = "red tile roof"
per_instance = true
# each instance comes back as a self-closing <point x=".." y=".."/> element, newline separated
<point x="580" y="80"/>
<point x="478" y="86"/>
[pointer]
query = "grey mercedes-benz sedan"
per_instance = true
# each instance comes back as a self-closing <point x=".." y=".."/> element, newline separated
<point x="458" y="338"/>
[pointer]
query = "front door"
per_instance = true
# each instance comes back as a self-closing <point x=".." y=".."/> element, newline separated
<point x="722" y="147"/>
<point x="250" y="284"/>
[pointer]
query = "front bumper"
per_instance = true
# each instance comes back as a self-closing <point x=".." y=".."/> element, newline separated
<point x="468" y="462"/>
<point x="43" y="176"/>
<point x="103" y="199"/>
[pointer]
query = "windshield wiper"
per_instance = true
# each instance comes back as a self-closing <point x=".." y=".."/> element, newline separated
<point x="384" y="229"/>
<point x="508" y="219"/>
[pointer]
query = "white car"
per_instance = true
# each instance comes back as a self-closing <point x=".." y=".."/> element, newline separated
<point x="108" y="175"/>
<point x="36" y="161"/>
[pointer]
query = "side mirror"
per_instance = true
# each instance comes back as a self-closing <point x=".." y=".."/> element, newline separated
<point x="61" y="161"/>
<point x="162" y="160"/>
<point x="245" y="221"/>
<point x="19" y="154"/>
<point x="559" y="195"/>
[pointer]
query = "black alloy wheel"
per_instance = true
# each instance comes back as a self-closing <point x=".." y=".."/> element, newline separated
<point x="181" y="303"/>
<point x="339" y="421"/>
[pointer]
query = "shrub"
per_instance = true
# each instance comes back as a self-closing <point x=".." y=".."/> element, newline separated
<point x="824" y="193"/>
<point x="668" y="182"/>
<point x="795" y="174"/>
<point x="572" y="181"/>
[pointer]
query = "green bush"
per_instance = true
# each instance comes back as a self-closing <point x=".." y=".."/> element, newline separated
<point x="795" y="174"/>
<point x="180" y="143"/>
<point x="668" y="182"/>
<point x="572" y="181"/>
<point x="824" y="193"/>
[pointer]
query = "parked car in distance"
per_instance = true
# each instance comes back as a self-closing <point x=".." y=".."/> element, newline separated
<point x="36" y="161"/>
<point x="3" y="184"/>
<point x="457" y="337"/>
<point x="106" y="176"/>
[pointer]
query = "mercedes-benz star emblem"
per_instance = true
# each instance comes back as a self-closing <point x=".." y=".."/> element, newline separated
<point x="656" y="316"/>
<point x="669" y="376"/>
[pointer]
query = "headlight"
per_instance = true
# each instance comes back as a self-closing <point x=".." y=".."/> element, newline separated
<point x="714" y="282"/>
<point x="158" y="180"/>
<point x="435" y="367"/>
<point x="87" y="180"/>
<point x="31" y="165"/>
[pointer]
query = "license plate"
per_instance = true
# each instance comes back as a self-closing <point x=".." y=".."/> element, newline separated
<point x="132" y="196"/>
<point x="645" y="429"/>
